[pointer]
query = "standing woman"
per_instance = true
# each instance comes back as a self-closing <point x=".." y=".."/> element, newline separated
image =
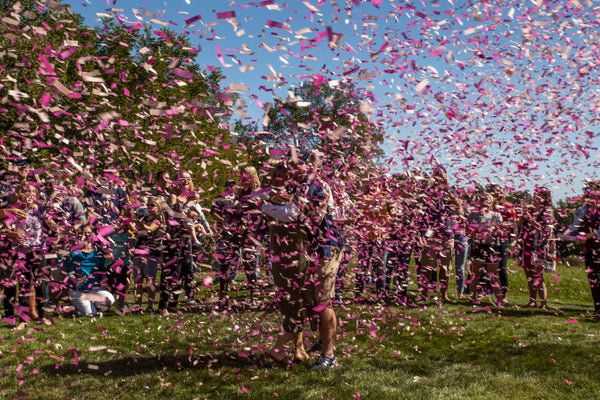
<point x="249" y="225"/>
<point x="506" y="209"/>
<point x="437" y="255"/>
<point x="538" y="244"/>
<point x="484" y="227"/>
<point x="26" y="235"/>
<point x="177" y="272"/>
<point x="586" y="228"/>
<point x="372" y="227"/>
<point x="151" y="231"/>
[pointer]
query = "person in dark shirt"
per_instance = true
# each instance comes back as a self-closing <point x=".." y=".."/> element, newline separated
<point x="586" y="228"/>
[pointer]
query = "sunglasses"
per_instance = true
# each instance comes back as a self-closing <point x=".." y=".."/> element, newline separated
<point x="152" y="205"/>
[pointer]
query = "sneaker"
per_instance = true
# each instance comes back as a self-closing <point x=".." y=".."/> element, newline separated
<point x="191" y="301"/>
<point x="324" y="362"/>
<point x="317" y="347"/>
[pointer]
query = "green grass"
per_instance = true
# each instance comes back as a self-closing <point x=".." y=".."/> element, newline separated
<point x="437" y="352"/>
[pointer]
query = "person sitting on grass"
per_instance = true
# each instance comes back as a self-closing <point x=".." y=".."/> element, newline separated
<point x="86" y="271"/>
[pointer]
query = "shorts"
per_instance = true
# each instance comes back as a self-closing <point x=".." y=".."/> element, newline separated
<point x="485" y="253"/>
<point x="438" y="253"/>
<point x="146" y="266"/>
<point x="324" y="277"/>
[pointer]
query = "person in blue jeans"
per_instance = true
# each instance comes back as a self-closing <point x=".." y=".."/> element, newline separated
<point x="461" y="249"/>
<point x="509" y="216"/>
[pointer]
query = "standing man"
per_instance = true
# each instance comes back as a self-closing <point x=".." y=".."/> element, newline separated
<point x="438" y="253"/>
<point x="509" y="216"/>
<point x="324" y="254"/>
<point x="309" y="206"/>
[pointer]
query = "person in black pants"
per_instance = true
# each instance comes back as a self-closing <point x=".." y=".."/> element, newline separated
<point x="586" y="228"/>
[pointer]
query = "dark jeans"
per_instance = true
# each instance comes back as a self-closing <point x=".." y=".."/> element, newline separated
<point x="397" y="270"/>
<point x="592" y="265"/>
<point x="502" y="267"/>
<point x="175" y="275"/>
<point x="370" y="262"/>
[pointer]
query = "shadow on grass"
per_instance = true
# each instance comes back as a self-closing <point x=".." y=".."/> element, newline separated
<point x="537" y="359"/>
<point x="139" y="365"/>
<point x="238" y="307"/>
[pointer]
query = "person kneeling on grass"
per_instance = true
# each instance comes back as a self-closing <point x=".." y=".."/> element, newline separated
<point x="87" y="275"/>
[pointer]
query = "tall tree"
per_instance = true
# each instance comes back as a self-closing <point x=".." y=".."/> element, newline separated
<point x="332" y="118"/>
<point x="114" y="95"/>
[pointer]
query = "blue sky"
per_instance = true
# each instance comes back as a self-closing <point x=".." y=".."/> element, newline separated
<point x="502" y="91"/>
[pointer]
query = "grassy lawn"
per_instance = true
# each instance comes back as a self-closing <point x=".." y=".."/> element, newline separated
<point x="453" y="351"/>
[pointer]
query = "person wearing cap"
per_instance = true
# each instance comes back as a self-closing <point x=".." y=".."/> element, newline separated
<point x="586" y="228"/>
<point x="62" y="215"/>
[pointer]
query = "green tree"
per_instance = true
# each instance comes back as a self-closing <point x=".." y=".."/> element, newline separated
<point x="113" y="95"/>
<point x="331" y="119"/>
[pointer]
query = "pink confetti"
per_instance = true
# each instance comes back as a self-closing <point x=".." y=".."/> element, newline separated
<point x="320" y="307"/>
<point x="193" y="19"/>
<point x="226" y="14"/>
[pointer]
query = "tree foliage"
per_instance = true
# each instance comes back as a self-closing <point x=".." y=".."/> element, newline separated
<point x="126" y="96"/>
<point x="330" y="116"/>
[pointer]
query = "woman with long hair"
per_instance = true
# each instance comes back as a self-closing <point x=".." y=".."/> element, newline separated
<point x="178" y="267"/>
<point x="26" y="238"/>
<point x="151" y="231"/>
<point x="484" y="227"/>
<point x="249" y="224"/>
<point x="538" y="247"/>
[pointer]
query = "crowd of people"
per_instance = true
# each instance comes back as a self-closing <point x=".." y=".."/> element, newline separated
<point x="321" y="236"/>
